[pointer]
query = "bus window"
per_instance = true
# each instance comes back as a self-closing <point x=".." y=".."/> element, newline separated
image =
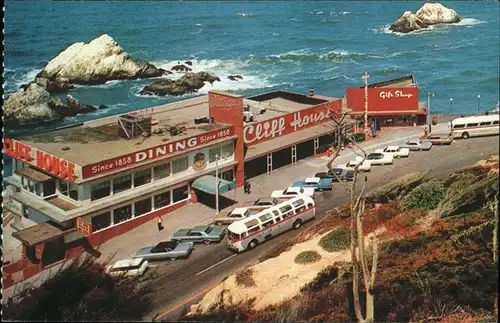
<point x="485" y="123"/>
<point x="276" y="213"/>
<point x="251" y="223"/>
<point x="471" y="125"/>
<point x="300" y="209"/>
<point x="495" y="122"/>
<point x="457" y="126"/>
<point x="267" y="224"/>
<point x="244" y="234"/>
<point x="287" y="214"/>
<point x="285" y="208"/>
<point x="265" y="217"/>
<point x="298" y="202"/>
<point x="253" y="230"/>
<point x="233" y="236"/>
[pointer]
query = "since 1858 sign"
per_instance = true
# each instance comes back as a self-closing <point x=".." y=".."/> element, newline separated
<point x="288" y="123"/>
<point x="149" y="154"/>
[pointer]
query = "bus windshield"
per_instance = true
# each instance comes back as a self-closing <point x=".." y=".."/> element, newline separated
<point x="233" y="236"/>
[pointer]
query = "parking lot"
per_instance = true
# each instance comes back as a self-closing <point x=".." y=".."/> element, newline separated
<point x="174" y="282"/>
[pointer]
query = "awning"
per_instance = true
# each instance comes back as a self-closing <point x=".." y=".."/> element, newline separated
<point x="207" y="184"/>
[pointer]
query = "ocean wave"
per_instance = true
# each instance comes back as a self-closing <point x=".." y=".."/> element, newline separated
<point x="18" y="77"/>
<point x="244" y="14"/>
<point x="341" y="13"/>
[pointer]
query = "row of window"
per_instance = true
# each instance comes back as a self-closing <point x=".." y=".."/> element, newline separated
<point x="475" y="124"/>
<point x="129" y="181"/>
<point x="139" y="208"/>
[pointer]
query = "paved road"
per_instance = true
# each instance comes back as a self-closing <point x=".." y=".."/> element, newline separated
<point x="182" y="280"/>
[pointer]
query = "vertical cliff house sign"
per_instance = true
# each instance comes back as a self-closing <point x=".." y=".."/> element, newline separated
<point x="200" y="162"/>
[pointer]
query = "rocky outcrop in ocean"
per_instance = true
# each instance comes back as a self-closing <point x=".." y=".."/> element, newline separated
<point x="34" y="105"/>
<point x="188" y="83"/>
<point x="235" y="77"/>
<point x="429" y="14"/>
<point x="96" y="62"/>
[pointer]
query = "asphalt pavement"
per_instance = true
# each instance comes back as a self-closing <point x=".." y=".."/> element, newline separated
<point x="178" y="284"/>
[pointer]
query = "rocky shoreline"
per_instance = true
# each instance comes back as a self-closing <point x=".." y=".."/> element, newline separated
<point x="428" y="15"/>
<point x="93" y="63"/>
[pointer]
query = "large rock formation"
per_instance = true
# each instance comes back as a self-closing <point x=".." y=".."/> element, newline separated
<point x="408" y="22"/>
<point x="96" y="62"/>
<point x="436" y="13"/>
<point x="191" y="82"/>
<point x="429" y="14"/>
<point x="34" y="105"/>
<point x="30" y="106"/>
<point x="51" y="86"/>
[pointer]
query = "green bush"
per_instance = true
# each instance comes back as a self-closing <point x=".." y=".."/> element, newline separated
<point x="396" y="189"/>
<point x="425" y="196"/>
<point x="469" y="199"/>
<point x="307" y="257"/>
<point x="337" y="240"/>
<point x="356" y="137"/>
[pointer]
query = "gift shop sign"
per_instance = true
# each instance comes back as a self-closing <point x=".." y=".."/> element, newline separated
<point x="288" y="123"/>
<point x="51" y="164"/>
<point x="383" y="99"/>
<point x="153" y="153"/>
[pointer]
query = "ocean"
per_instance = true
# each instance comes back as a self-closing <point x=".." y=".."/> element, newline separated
<point x="274" y="45"/>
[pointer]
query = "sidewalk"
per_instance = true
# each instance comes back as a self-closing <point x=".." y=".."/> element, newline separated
<point x="190" y="215"/>
<point x="126" y="245"/>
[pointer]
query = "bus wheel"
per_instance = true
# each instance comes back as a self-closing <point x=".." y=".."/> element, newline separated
<point x="465" y="135"/>
<point x="297" y="224"/>
<point x="253" y="244"/>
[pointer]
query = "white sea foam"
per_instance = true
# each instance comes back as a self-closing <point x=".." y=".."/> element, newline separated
<point x="319" y="12"/>
<point x="244" y="14"/>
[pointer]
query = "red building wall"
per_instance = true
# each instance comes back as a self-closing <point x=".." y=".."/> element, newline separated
<point x="383" y="99"/>
<point x="227" y="108"/>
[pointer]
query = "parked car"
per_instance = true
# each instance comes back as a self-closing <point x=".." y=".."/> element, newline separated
<point x="200" y="233"/>
<point x="292" y="192"/>
<point x="317" y="183"/>
<point x="396" y="151"/>
<point x="266" y="201"/>
<point x="171" y="249"/>
<point x="439" y="139"/>
<point x="347" y="175"/>
<point x="128" y="267"/>
<point x="235" y="215"/>
<point x="330" y="174"/>
<point x="416" y="145"/>
<point x="364" y="167"/>
<point x="380" y="159"/>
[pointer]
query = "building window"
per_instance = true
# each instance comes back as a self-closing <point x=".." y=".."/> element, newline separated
<point x="180" y="193"/>
<point x="227" y="150"/>
<point x="228" y="175"/>
<point x="31" y="186"/>
<point x="122" y="214"/>
<point x="73" y="191"/>
<point x="99" y="190"/>
<point x="142" y="177"/>
<point x="63" y="187"/>
<point x="212" y="153"/>
<point x="122" y="183"/>
<point x="161" y="171"/>
<point x="49" y="187"/>
<point x="180" y="165"/>
<point x="18" y="164"/>
<point x="162" y="200"/>
<point x="142" y="207"/>
<point x="101" y="221"/>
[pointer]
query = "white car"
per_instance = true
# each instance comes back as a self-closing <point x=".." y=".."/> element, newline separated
<point x="364" y="167"/>
<point x="292" y="192"/>
<point x="380" y="159"/>
<point x="396" y="151"/>
<point x="236" y="214"/>
<point x="128" y="267"/>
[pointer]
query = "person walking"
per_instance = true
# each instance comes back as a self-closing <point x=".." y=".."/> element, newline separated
<point x="246" y="187"/>
<point x="160" y="224"/>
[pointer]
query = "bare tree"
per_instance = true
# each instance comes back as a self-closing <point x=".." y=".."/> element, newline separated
<point x="357" y="210"/>
<point x="494" y="208"/>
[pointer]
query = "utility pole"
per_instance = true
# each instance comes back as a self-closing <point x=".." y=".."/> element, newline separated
<point x="429" y="94"/>
<point x="365" y="77"/>
<point x="216" y="184"/>
<point x="451" y="106"/>
<point x="478" y="97"/>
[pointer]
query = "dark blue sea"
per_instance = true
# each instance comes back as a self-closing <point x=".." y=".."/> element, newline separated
<point x="273" y="45"/>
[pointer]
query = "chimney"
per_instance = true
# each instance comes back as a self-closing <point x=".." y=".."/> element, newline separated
<point x="311" y="92"/>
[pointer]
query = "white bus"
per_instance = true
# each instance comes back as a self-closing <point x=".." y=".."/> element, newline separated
<point x="257" y="228"/>
<point x="475" y="126"/>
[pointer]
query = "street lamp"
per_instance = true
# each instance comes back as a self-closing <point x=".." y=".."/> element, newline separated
<point x="478" y="97"/>
<point x="429" y="94"/>
<point x="451" y="106"/>
<point x="365" y="77"/>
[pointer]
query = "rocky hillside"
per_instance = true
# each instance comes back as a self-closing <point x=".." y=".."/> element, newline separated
<point x="435" y="262"/>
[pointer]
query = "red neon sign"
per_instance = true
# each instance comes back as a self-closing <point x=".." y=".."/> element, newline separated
<point x="51" y="164"/>
<point x="288" y="123"/>
<point x="154" y="152"/>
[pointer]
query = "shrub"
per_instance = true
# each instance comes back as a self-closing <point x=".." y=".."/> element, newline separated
<point x="338" y="273"/>
<point x="337" y="240"/>
<point x="307" y="257"/>
<point x="245" y="278"/>
<point x="426" y="196"/>
<point x="397" y="188"/>
<point x="470" y="198"/>
<point x="356" y="137"/>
